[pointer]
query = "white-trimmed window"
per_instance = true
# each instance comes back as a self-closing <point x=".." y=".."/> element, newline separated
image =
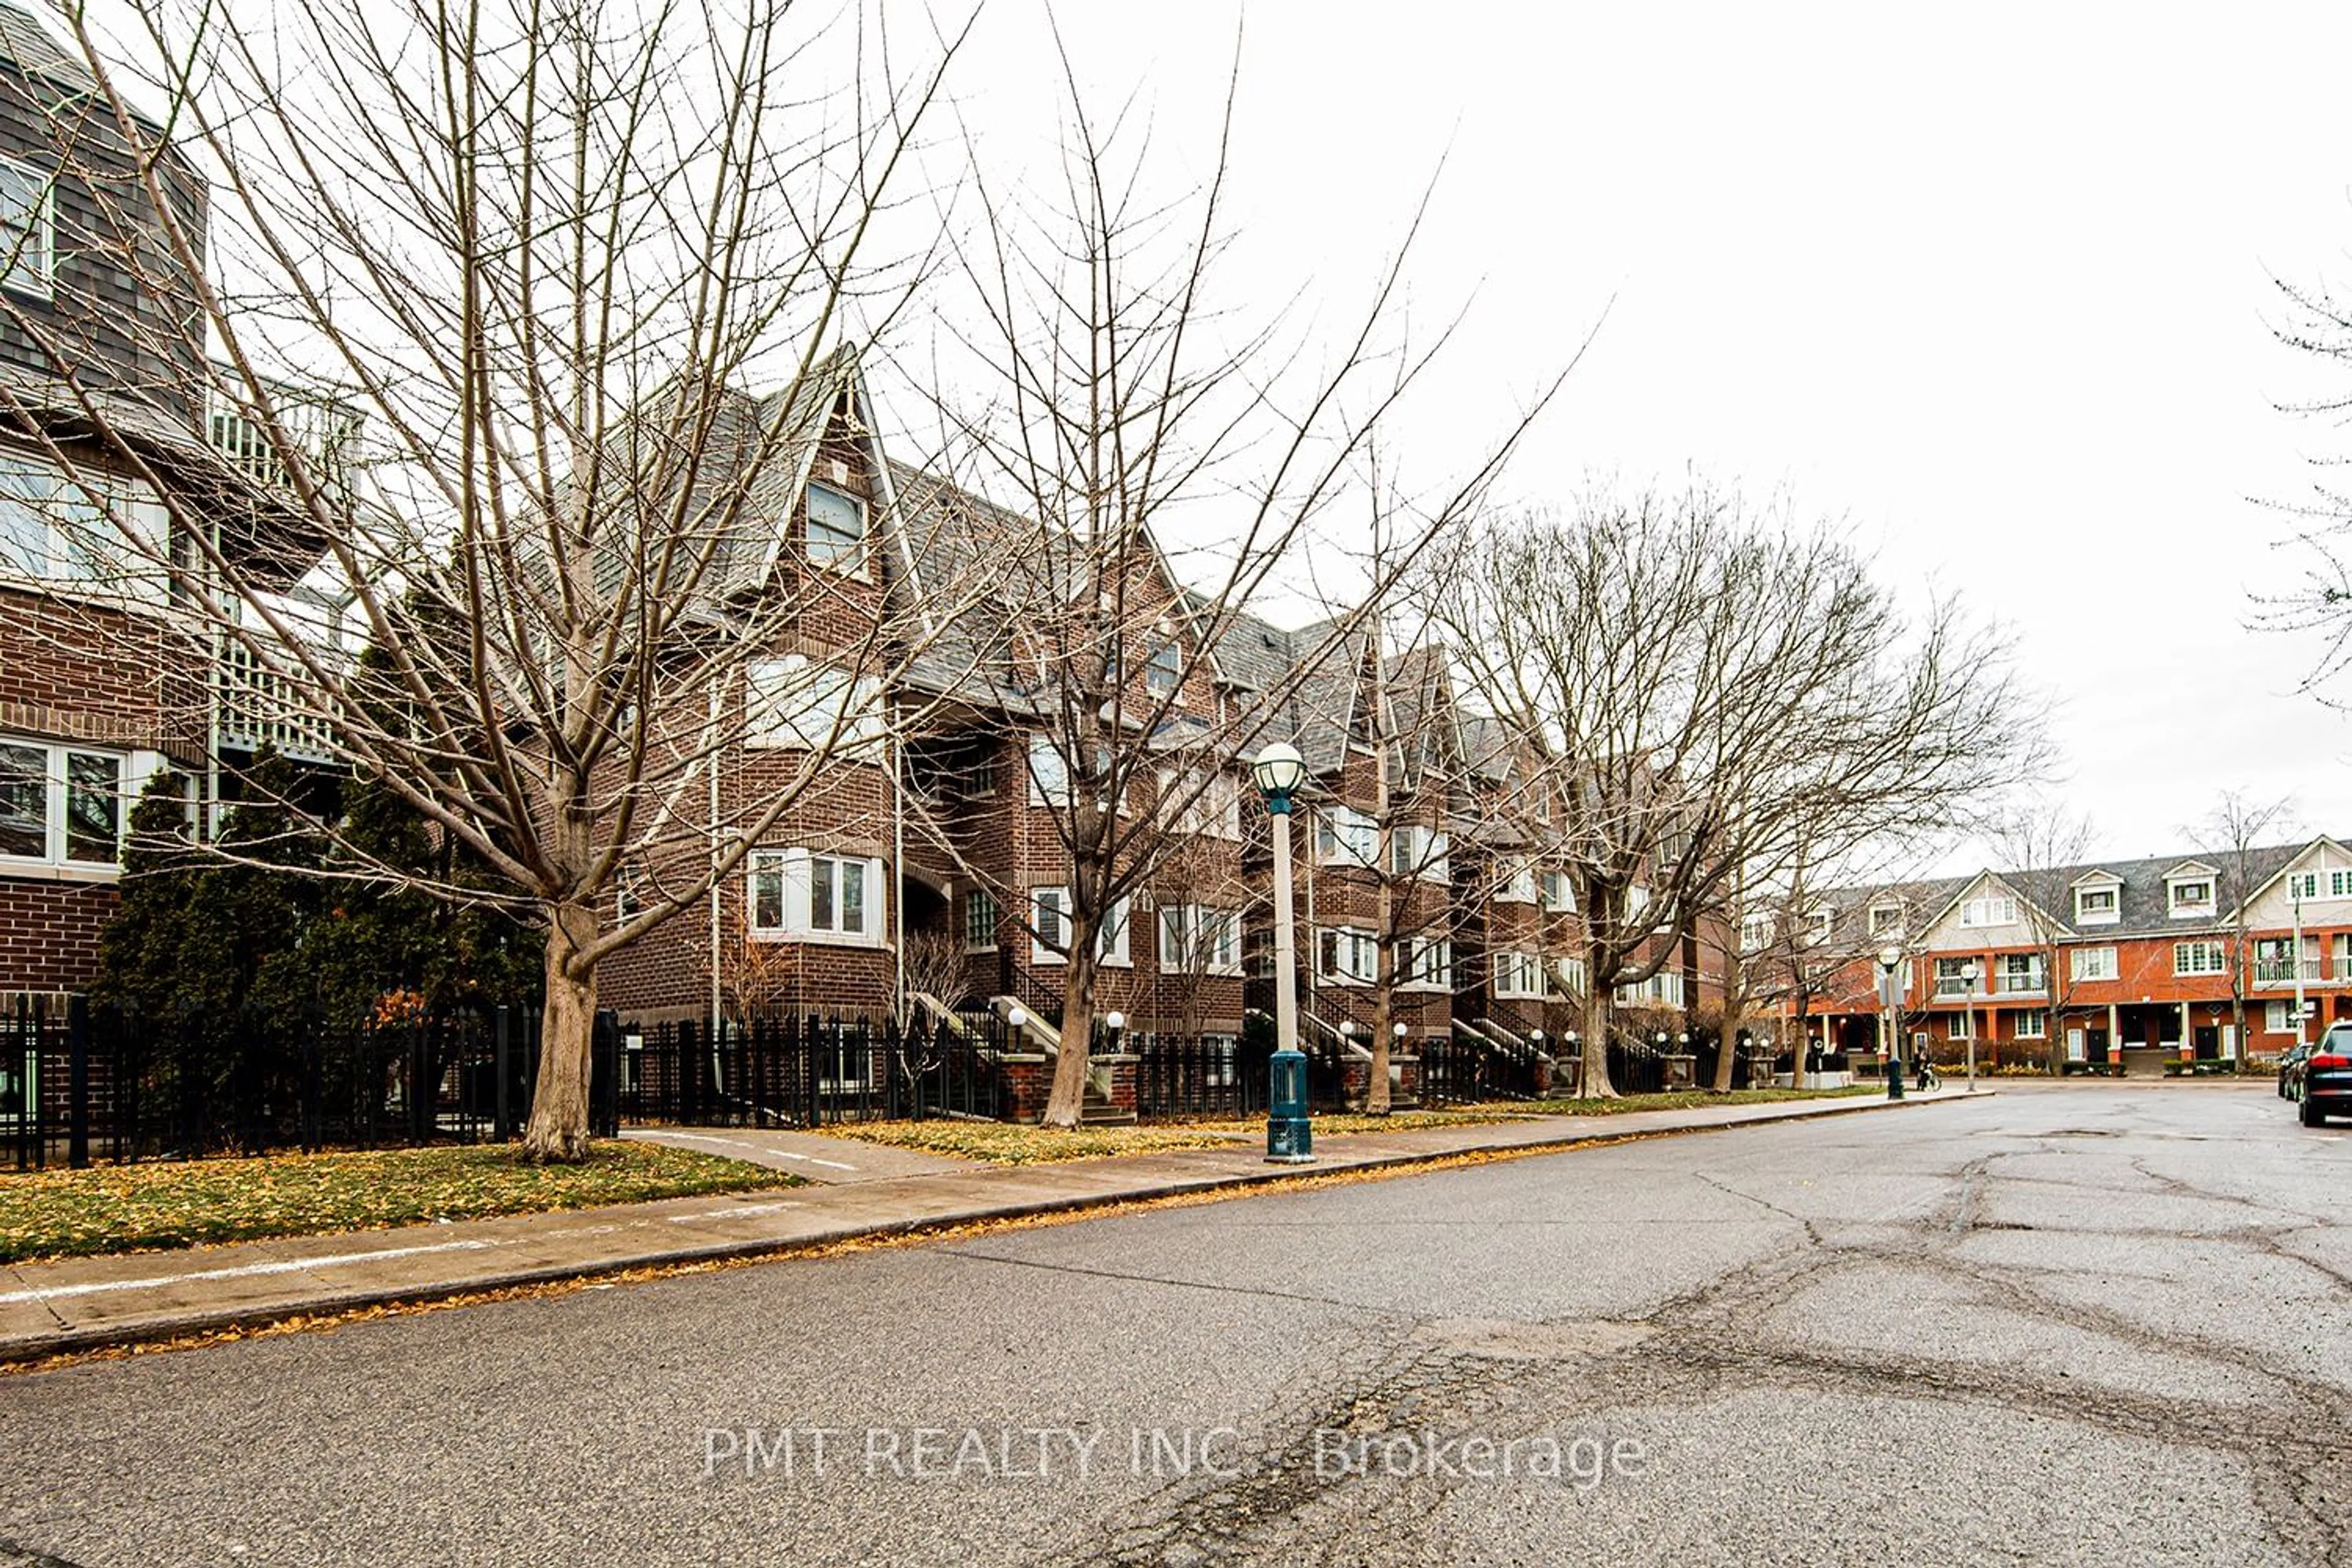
<point x="28" y="248"/>
<point x="2278" y="1017"/>
<point x="1417" y="851"/>
<point x="1194" y="940"/>
<point x="1049" y="916"/>
<point x="1559" y="891"/>
<point x="1571" y="972"/>
<point x="54" y="528"/>
<point x="2340" y="955"/>
<point x="1344" y="836"/>
<point x="1347" y="956"/>
<point x="1206" y="803"/>
<point x="816" y="895"/>
<point x="66" y="805"/>
<point x="796" y="703"/>
<point x="2275" y="960"/>
<point x="1949" y="979"/>
<point x="1518" y="884"/>
<point x="2303" y="885"/>
<point x="2199" y="958"/>
<point x="1755" y="933"/>
<point x="1885" y="919"/>
<point x="1519" y="975"/>
<point x="1163" y="668"/>
<point x="2339" y="884"/>
<point x="836" y="529"/>
<point x="1962" y="1025"/>
<point x="1049" y="772"/>
<point x="1426" y="964"/>
<point x="2032" y="1023"/>
<point x="1992" y="910"/>
<point x="2091" y="963"/>
<point x="2096" y="904"/>
<point x="1822" y="921"/>
<point x="2015" y="973"/>
<point x="1663" y="989"/>
<point x="2187" y="897"/>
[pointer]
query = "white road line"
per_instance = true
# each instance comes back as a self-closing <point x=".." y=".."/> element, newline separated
<point x="755" y="1148"/>
<point x="731" y="1212"/>
<point x="288" y="1266"/>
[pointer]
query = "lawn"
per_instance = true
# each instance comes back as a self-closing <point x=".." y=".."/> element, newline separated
<point x="1008" y="1143"/>
<point x="126" y="1208"/>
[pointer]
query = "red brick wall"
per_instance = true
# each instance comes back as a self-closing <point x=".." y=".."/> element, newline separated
<point x="48" y="933"/>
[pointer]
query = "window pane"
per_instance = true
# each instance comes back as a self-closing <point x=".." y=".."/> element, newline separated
<point x="853" y="897"/>
<point x="93" y="807"/>
<point x="767" y="894"/>
<point x="822" y="871"/>
<point x="25" y="247"/>
<point x="836" y="525"/>
<point x="23" y="800"/>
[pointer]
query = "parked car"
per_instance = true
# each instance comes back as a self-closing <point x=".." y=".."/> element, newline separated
<point x="2323" y="1079"/>
<point x="2291" y="1062"/>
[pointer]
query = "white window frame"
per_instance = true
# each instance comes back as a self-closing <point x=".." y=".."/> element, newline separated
<point x="1114" y="943"/>
<point x="132" y="770"/>
<point x="2078" y="973"/>
<point x="2308" y="881"/>
<point x="1519" y="975"/>
<point x="2086" y="915"/>
<point x="1557" y="890"/>
<point x="1519" y="885"/>
<point x="2190" y="958"/>
<point x="849" y="560"/>
<point x="1200" y="939"/>
<point x="1755" y="933"/>
<point x="1346" y="837"/>
<point x="795" y="703"/>
<point x="1573" y="976"/>
<point x="2278" y="1016"/>
<point x="1425" y="964"/>
<point x="1055" y="930"/>
<point x="1989" y="909"/>
<point x="2339" y="883"/>
<point x="2179" y="908"/>
<point x="1214" y="807"/>
<point x="1885" y="919"/>
<point x="2032" y="1023"/>
<point x="1950" y="982"/>
<point x="793" y="872"/>
<point x="30" y="265"/>
<point x="1351" y="942"/>
<point x="1163" y="667"/>
<point x="65" y="533"/>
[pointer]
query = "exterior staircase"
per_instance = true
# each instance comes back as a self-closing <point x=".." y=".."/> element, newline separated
<point x="1095" y="1110"/>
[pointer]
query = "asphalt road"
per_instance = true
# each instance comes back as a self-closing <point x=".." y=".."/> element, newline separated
<point x="2078" y="1324"/>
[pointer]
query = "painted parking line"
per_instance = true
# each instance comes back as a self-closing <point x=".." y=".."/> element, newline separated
<point x="761" y="1149"/>
<point x="242" y="1271"/>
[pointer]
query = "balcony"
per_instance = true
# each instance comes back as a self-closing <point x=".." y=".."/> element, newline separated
<point x="2021" y="983"/>
<point x="2281" y="971"/>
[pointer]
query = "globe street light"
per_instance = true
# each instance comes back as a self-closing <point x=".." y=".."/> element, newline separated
<point x="1969" y="972"/>
<point x="1890" y="959"/>
<point x="1279" y="770"/>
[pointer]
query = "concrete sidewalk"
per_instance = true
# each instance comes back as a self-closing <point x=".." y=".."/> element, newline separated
<point x="48" y="1309"/>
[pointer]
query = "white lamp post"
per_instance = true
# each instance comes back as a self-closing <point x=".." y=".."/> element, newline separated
<point x="1890" y="959"/>
<point x="1969" y="972"/>
<point x="1279" y="770"/>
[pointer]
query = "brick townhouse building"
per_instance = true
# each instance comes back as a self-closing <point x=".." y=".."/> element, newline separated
<point x="97" y="693"/>
<point x="2095" y="965"/>
<point x="935" y="867"/>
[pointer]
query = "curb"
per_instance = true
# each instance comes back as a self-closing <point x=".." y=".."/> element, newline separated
<point x="17" y="1350"/>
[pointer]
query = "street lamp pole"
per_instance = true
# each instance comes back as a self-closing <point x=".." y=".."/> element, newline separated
<point x="1890" y="959"/>
<point x="1279" y="770"/>
<point x="1969" y="972"/>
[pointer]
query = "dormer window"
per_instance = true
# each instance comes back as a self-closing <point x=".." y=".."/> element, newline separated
<point x="1885" y="919"/>
<point x="836" y="529"/>
<point x="28" y="230"/>
<point x="2097" y="904"/>
<point x="2190" y="894"/>
<point x="1820" y="922"/>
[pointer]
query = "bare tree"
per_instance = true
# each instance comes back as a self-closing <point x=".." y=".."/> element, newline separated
<point x="1121" y="403"/>
<point x="1732" y="699"/>
<point x="524" y="327"/>
<point x="2041" y="850"/>
<point x="2236" y="827"/>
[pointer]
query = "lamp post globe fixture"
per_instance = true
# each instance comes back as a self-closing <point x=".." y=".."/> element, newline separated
<point x="1279" y="771"/>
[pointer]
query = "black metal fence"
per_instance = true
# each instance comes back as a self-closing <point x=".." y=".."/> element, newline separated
<point x="810" y="1071"/>
<point x="81" y="1082"/>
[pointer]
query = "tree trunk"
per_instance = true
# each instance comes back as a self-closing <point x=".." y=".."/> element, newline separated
<point x="1067" y="1099"/>
<point x="1726" y="1041"/>
<point x="557" y="1132"/>
<point x="1596" y="1084"/>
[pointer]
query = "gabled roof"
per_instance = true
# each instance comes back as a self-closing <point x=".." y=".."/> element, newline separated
<point x="2192" y="868"/>
<point x="2099" y="874"/>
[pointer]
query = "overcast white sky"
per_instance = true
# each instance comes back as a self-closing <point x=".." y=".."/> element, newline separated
<point x="1992" y="283"/>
